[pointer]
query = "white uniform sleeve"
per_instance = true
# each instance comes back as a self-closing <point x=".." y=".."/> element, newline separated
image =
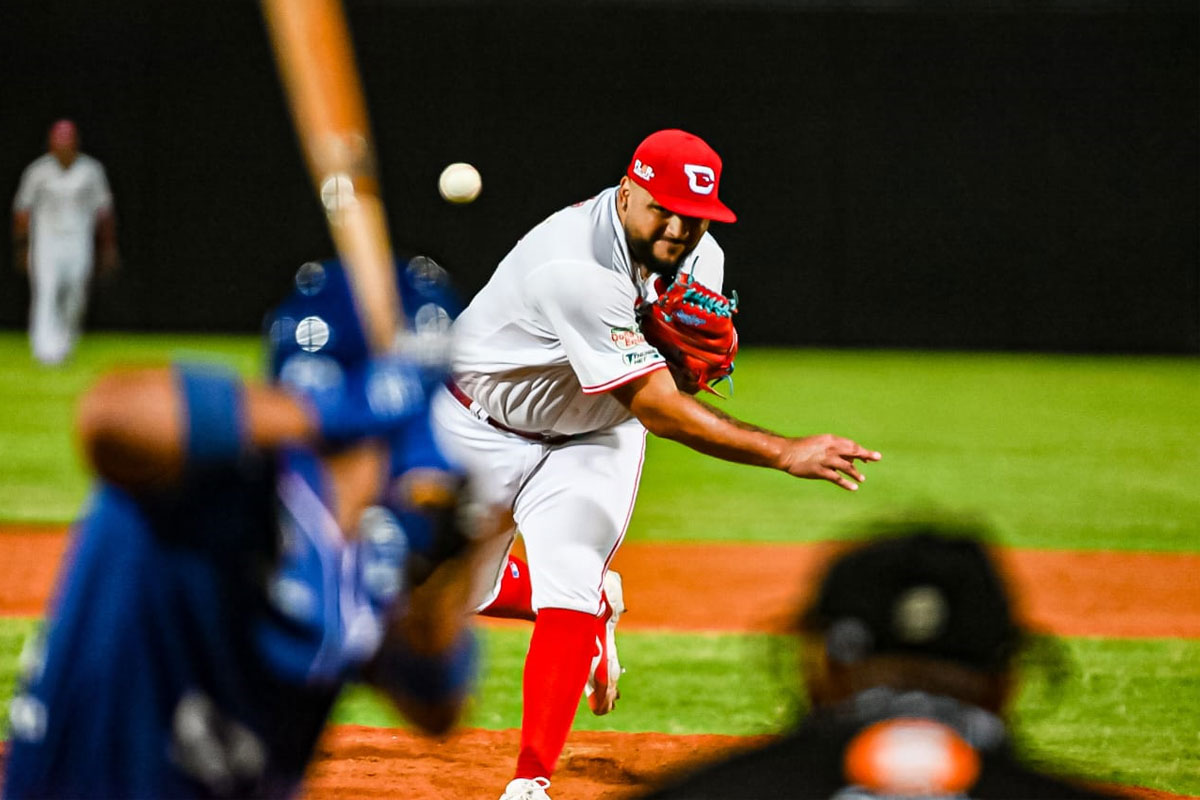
<point x="707" y="264"/>
<point x="27" y="189"/>
<point x="100" y="192"/>
<point x="591" y="313"/>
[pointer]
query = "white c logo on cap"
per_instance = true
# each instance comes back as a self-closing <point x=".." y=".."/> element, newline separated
<point x="701" y="179"/>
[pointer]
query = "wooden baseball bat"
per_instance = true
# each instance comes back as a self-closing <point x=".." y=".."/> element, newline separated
<point x="316" y="62"/>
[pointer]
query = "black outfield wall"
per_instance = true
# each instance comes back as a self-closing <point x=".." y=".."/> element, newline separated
<point x="986" y="177"/>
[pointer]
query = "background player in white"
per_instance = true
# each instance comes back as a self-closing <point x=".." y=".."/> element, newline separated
<point x="62" y="208"/>
<point x="553" y="390"/>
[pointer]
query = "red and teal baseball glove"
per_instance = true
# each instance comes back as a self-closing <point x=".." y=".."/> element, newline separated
<point x="692" y="326"/>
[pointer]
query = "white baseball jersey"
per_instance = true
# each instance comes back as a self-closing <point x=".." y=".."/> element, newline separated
<point x="62" y="202"/>
<point x="553" y="331"/>
<point x="62" y="205"/>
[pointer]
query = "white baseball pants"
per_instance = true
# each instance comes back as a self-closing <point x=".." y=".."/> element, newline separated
<point x="60" y="269"/>
<point x="571" y="502"/>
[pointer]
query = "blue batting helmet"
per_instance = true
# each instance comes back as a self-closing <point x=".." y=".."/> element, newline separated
<point x="317" y="331"/>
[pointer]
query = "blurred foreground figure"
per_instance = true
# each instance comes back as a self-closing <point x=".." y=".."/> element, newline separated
<point x="909" y="646"/>
<point x="62" y="214"/>
<point x="250" y="549"/>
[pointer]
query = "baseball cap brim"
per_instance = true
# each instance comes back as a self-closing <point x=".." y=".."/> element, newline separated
<point x="708" y="208"/>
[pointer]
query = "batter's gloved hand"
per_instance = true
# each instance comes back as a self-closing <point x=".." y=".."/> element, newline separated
<point x="373" y="398"/>
<point x="692" y="326"/>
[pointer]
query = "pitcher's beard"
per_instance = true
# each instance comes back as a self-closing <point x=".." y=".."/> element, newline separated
<point x="643" y="253"/>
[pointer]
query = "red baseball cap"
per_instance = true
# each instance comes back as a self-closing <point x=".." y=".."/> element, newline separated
<point x="682" y="172"/>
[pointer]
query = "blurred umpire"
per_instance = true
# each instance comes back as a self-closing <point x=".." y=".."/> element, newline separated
<point x="249" y="549"/>
<point x="908" y="651"/>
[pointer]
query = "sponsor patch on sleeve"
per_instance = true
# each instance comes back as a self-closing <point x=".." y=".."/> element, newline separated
<point x="627" y="338"/>
<point x="642" y="357"/>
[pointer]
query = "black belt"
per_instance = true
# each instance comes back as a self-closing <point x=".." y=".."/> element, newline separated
<point x="474" y="408"/>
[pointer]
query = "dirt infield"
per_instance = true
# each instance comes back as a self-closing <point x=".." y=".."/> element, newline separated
<point x="30" y="561"/>
<point x="729" y="587"/>
<point x="758" y="588"/>
<point x="683" y="587"/>
<point x="356" y="762"/>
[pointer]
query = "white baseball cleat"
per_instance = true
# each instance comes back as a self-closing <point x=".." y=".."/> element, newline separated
<point x="601" y="687"/>
<point x="526" y="789"/>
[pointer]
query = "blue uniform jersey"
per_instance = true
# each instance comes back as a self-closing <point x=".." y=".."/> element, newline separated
<point x="199" y="638"/>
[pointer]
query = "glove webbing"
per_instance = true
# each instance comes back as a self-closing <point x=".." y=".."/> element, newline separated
<point x="720" y="306"/>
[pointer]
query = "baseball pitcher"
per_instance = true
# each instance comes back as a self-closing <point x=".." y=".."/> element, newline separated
<point x="597" y="327"/>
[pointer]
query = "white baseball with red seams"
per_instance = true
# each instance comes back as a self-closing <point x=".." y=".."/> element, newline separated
<point x="537" y="351"/>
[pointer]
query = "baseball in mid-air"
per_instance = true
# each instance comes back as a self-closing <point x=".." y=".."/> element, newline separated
<point x="459" y="183"/>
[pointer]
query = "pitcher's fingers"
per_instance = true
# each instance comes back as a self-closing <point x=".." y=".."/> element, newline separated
<point x="833" y="476"/>
<point x="856" y="450"/>
<point x="847" y="466"/>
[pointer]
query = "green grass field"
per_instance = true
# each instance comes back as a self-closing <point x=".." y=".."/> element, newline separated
<point x="1050" y="451"/>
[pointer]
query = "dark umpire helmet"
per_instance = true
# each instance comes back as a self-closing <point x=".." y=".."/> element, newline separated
<point x="926" y="589"/>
